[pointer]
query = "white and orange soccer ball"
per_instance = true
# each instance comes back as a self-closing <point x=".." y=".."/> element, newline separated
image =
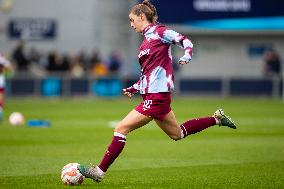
<point x="16" y="119"/>
<point x="70" y="175"/>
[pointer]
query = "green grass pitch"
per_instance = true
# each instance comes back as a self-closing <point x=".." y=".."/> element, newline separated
<point x="250" y="157"/>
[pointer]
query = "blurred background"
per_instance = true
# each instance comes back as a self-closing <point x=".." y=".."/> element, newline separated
<point x="71" y="58"/>
<point x="87" y="48"/>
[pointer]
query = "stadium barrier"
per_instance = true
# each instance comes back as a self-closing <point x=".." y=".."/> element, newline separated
<point x="56" y="86"/>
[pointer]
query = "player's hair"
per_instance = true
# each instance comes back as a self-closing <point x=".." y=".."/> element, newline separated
<point x="147" y="8"/>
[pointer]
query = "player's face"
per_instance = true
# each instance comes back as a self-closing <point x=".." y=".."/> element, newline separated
<point x="136" y="22"/>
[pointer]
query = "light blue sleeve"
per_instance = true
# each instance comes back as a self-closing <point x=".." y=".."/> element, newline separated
<point x="173" y="37"/>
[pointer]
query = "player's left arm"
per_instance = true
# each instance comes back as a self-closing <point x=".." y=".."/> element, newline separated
<point x="173" y="37"/>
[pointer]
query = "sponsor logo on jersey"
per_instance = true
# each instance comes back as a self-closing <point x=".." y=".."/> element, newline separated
<point x="144" y="52"/>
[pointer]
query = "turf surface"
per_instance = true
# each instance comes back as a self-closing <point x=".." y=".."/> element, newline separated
<point x="250" y="157"/>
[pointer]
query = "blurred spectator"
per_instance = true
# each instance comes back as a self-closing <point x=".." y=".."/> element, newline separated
<point x="57" y="62"/>
<point x="77" y="69"/>
<point x="100" y="69"/>
<point x="35" y="63"/>
<point x="20" y="58"/>
<point x="84" y="59"/>
<point x="114" y="62"/>
<point x="95" y="58"/>
<point x="97" y="67"/>
<point x="272" y="66"/>
<point x="34" y="56"/>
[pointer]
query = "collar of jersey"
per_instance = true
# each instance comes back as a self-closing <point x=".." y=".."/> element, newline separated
<point x="148" y="27"/>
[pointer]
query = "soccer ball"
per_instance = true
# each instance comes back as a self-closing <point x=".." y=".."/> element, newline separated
<point x="70" y="175"/>
<point x="16" y="119"/>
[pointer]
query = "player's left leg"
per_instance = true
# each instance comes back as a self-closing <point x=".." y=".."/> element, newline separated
<point x="132" y="121"/>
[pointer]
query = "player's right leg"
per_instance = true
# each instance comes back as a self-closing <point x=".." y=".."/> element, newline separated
<point x="170" y="126"/>
<point x="132" y="121"/>
<point x="176" y="132"/>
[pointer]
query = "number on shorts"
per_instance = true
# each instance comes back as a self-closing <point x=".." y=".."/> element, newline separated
<point x="147" y="104"/>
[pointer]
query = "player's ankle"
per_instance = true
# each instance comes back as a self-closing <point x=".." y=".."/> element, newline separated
<point x="218" y="121"/>
<point x="100" y="171"/>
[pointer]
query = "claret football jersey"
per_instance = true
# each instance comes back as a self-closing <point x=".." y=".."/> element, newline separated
<point x="156" y="60"/>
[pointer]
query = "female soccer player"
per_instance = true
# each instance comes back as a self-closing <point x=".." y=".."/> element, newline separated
<point x="4" y="64"/>
<point x="155" y="84"/>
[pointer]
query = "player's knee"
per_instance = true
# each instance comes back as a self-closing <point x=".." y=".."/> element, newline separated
<point x="120" y="128"/>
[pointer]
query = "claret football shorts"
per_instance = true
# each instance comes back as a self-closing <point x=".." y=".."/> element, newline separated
<point x="155" y="105"/>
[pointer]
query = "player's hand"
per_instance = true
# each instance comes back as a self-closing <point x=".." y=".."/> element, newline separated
<point x="183" y="62"/>
<point x="127" y="93"/>
<point x="185" y="59"/>
<point x="130" y="91"/>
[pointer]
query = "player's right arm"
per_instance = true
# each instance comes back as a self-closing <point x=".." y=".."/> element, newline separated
<point x="130" y="91"/>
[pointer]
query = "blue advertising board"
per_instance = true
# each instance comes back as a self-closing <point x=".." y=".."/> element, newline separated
<point x="32" y="29"/>
<point x="223" y="14"/>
